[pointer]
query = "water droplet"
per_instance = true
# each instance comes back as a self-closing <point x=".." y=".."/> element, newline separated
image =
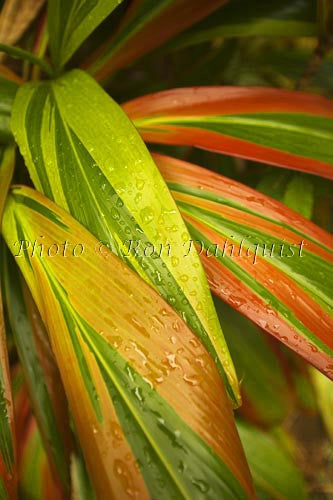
<point x="147" y="214"/>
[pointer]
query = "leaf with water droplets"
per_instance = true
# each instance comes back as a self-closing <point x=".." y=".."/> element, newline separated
<point x="272" y="265"/>
<point x="70" y="133"/>
<point x="143" y="401"/>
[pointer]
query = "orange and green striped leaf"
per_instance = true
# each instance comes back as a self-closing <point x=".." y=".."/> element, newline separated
<point x="83" y="152"/>
<point x="264" y="259"/>
<point x="146" y="25"/>
<point x="146" y="397"/>
<point x="281" y="127"/>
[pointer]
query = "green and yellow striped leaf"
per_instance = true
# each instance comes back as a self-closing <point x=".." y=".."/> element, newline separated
<point x="264" y="259"/>
<point x="41" y="373"/>
<point x="70" y="22"/>
<point x="83" y="152"/>
<point x="148" y="403"/>
<point x="8" y="470"/>
<point x="146" y="25"/>
<point x="285" y="128"/>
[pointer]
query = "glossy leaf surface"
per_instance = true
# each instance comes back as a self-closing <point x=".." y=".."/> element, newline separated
<point x="83" y="152"/>
<point x="252" y="250"/>
<point x="151" y="403"/>
<point x="280" y="127"/>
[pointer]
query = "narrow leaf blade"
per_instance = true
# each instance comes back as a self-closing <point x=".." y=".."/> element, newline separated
<point x="284" y="128"/>
<point x="8" y="466"/>
<point x="41" y="374"/>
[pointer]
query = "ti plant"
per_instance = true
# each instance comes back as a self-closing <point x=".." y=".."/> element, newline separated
<point x="120" y="376"/>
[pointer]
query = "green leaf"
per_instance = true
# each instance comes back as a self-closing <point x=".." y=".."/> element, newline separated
<point x="71" y="22"/>
<point x="83" y="152"/>
<point x="147" y="399"/>
<point x="276" y="477"/>
<point x="18" y="53"/>
<point x="41" y="373"/>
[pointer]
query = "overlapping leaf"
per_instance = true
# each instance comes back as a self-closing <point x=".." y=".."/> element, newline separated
<point x="264" y="259"/>
<point x="84" y="153"/>
<point x="284" y="128"/>
<point x="41" y="374"/>
<point x="146" y="25"/>
<point x="8" y="471"/>
<point x="147" y="399"/>
<point x="72" y="21"/>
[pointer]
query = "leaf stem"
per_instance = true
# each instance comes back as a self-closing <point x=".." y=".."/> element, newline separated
<point x="18" y="53"/>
